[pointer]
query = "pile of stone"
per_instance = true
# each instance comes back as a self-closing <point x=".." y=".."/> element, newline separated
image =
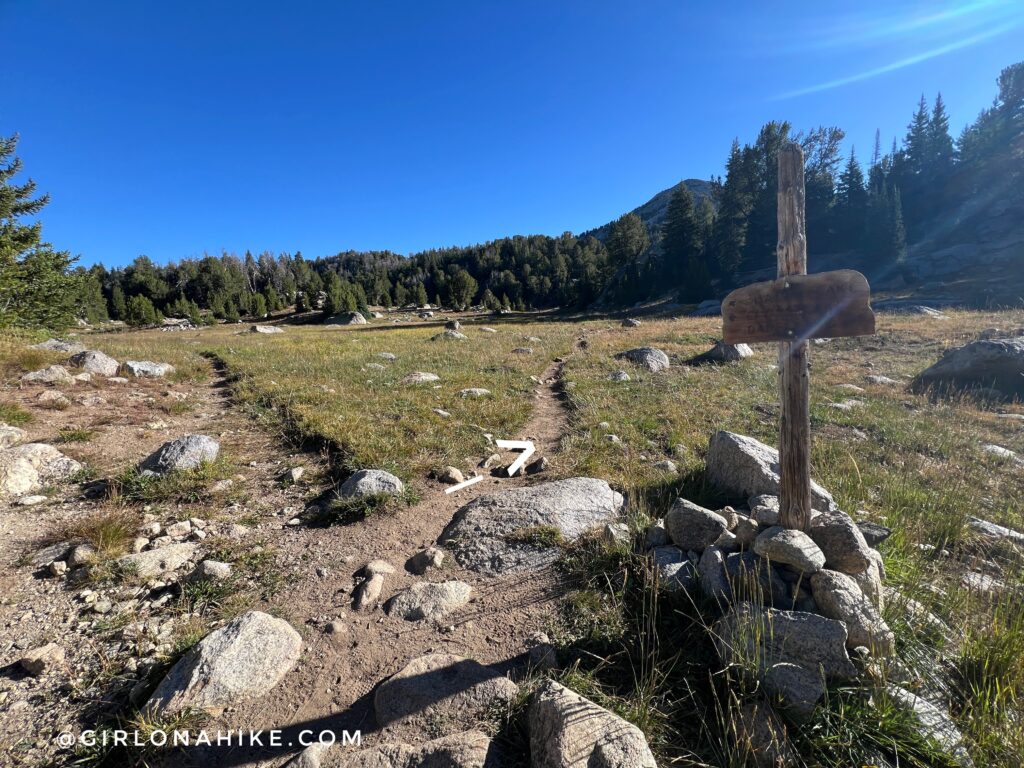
<point x="795" y="604"/>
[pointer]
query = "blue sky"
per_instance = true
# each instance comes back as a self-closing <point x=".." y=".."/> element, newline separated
<point x="177" y="128"/>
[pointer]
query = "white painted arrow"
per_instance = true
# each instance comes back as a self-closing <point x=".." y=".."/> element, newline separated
<point x="527" y="448"/>
<point x="464" y="484"/>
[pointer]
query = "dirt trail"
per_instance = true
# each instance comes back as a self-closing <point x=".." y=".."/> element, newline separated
<point x="332" y="685"/>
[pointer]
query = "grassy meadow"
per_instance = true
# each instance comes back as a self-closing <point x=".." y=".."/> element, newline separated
<point x="910" y="462"/>
<point x="331" y="384"/>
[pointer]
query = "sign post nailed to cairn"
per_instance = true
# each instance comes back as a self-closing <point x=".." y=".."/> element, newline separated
<point x="790" y="310"/>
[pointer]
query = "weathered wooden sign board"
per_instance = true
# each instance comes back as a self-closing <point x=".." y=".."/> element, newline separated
<point x="791" y="310"/>
<point x="796" y="307"/>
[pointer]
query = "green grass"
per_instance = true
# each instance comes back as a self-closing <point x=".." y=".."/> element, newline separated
<point x="911" y="462"/>
<point x="184" y="486"/>
<point x="14" y="415"/>
<point x="75" y="435"/>
<point x="317" y="381"/>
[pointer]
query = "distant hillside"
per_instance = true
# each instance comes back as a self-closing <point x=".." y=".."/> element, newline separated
<point x="653" y="211"/>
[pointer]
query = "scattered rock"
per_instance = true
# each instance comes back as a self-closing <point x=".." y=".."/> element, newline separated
<point x="154" y="562"/>
<point x="842" y="542"/>
<point x="188" y="452"/>
<point x="42" y="661"/>
<point x="790" y="547"/>
<point x="54" y="374"/>
<point x="996" y="364"/>
<point x="839" y="597"/>
<point x="424" y="560"/>
<point x="935" y="723"/>
<point x="691" y="527"/>
<point x="419" y="377"/>
<point x="708" y="308"/>
<point x="676" y="570"/>
<point x="429" y="600"/>
<point x="647" y="357"/>
<point x="474" y="392"/>
<point x="52" y="399"/>
<point x="714" y="581"/>
<point x="387" y="356"/>
<point x="145" y="369"/>
<point x="993" y="450"/>
<point x="883" y="381"/>
<point x="487" y="534"/>
<point x="26" y="469"/>
<point x="371" y="482"/>
<point x="449" y="336"/>
<point x="618" y="376"/>
<point x="724" y="353"/>
<point x="995" y="532"/>
<point x="346" y="318"/>
<point x="95" y="362"/>
<point x="11" y="436"/>
<point x="242" y="660"/>
<point x="761" y="737"/>
<point x="569" y="731"/>
<point x="210" y="570"/>
<point x="485" y="329"/>
<point x="80" y="555"/>
<point x="60" y="345"/>
<point x="874" y="533"/>
<point x="616" y="533"/>
<point x="179" y="529"/>
<point x="796" y="689"/>
<point x="450" y="475"/>
<point x="468" y="749"/>
<point x="774" y="636"/>
<point x="742" y="466"/>
<point x="751" y="577"/>
<point x="266" y="329"/>
<point x="630" y="322"/>
<point x="847" y="405"/>
<point x="442" y="692"/>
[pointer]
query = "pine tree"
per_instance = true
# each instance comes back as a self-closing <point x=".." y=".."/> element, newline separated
<point x="91" y="305"/>
<point x="735" y="204"/>
<point x="627" y="240"/>
<point x="940" y="143"/>
<point x="462" y="289"/>
<point x="681" y="246"/>
<point x="141" y="311"/>
<point x="37" y="288"/>
<point x="850" y="212"/>
<point x="420" y="295"/>
<point x="118" y="304"/>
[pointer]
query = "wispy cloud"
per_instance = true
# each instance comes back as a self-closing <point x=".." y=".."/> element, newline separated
<point x="931" y="53"/>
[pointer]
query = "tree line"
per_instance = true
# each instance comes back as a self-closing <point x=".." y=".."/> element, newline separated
<point x="918" y="190"/>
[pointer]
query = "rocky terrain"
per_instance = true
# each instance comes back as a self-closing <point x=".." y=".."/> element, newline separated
<point x="175" y="556"/>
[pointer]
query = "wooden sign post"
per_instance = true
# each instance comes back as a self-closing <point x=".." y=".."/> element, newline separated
<point x="791" y="310"/>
